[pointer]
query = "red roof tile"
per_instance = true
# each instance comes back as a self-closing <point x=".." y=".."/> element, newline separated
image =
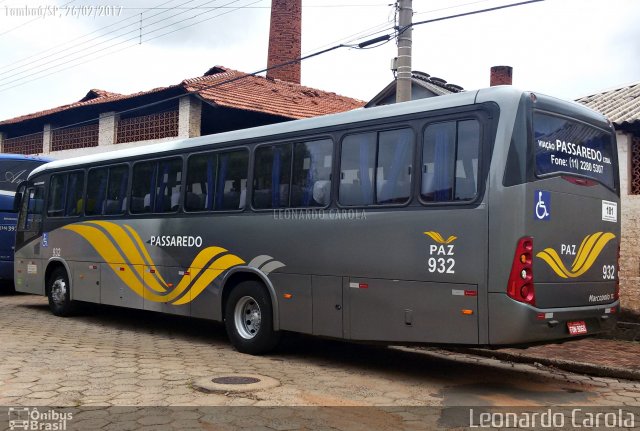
<point x="260" y="94"/>
<point x="252" y="93"/>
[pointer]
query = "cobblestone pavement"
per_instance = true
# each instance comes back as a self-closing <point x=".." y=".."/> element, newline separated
<point x="594" y="356"/>
<point x="117" y="357"/>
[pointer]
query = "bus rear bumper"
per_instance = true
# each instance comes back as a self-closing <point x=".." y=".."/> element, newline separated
<point x="512" y="322"/>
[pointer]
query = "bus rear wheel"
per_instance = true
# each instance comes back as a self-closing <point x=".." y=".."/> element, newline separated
<point x="248" y="319"/>
<point x="59" y="294"/>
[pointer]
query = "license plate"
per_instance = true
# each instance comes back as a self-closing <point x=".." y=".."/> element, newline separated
<point x="577" y="328"/>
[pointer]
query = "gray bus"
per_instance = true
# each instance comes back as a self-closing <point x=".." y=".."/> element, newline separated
<point x="488" y="217"/>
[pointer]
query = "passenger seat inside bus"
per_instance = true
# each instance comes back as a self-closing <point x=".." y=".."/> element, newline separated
<point x="194" y="201"/>
<point x="322" y="192"/>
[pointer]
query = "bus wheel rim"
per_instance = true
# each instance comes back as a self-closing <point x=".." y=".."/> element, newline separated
<point x="58" y="291"/>
<point x="247" y="317"/>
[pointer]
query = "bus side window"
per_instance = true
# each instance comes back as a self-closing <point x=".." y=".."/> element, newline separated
<point x="168" y="186"/>
<point x="231" y="184"/>
<point x="75" y="188"/>
<point x="96" y="191"/>
<point x="272" y="177"/>
<point x="393" y="173"/>
<point x="31" y="211"/>
<point x="144" y="178"/>
<point x="357" y="164"/>
<point x="57" y="195"/>
<point x="201" y="176"/>
<point x="117" y="190"/>
<point x="450" y="161"/>
<point x="382" y="159"/>
<point x="467" y="160"/>
<point x="311" y="183"/>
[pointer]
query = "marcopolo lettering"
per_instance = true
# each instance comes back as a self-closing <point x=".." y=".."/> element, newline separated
<point x="176" y="241"/>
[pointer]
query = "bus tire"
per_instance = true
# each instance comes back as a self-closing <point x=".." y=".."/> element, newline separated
<point x="248" y="319"/>
<point x="59" y="293"/>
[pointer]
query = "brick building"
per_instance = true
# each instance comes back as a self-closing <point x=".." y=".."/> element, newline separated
<point x="622" y="107"/>
<point x="213" y="103"/>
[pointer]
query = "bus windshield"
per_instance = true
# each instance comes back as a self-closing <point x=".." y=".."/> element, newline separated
<point x="567" y="146"/>
<point x="12" y="172"/>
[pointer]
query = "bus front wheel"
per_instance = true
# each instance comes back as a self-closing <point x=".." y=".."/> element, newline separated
<point x="58" y="292"/>
<point x="248" y="319"/>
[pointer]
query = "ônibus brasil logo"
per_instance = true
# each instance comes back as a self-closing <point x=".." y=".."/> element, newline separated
<point x="31" y="419"/>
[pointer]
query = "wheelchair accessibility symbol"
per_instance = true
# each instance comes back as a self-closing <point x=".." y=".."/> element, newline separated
<point x="542" y="205"/>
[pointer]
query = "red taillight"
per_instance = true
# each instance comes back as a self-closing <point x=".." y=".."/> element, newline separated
<point x="520" y="285"/>
<point x="580" y="181"/>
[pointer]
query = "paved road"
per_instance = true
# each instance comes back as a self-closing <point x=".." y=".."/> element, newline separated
<point x="116" y="357"/>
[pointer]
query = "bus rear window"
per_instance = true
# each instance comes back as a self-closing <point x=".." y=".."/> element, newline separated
<point x="566" y="146"/>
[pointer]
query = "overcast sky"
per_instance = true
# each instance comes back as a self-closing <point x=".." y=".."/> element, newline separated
<point x="565" y="48"/>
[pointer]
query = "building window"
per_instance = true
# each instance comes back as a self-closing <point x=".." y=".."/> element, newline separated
<point x="634" y="181"/>
<point x="148" y="127"/>
<point x="29" y="144"/>
<point x="75" y="137"/>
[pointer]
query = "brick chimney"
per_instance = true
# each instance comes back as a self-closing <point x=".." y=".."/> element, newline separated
<point x="501" y="75"/>
<point x="285" y="41"/>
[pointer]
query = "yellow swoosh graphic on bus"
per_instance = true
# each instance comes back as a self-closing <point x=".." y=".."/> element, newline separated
<point x="206" y="266"/>
<point x="589" y="250"/>
<point x="438" y="238"/>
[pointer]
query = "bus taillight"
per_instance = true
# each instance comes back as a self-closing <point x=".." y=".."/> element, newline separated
<point x="520" y="285"/>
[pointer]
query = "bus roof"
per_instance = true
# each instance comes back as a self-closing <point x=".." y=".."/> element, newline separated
<point x="506" y="96"/>
<point x="6" y="156"/>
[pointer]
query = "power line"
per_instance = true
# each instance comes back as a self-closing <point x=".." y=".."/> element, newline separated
<point x="81" y="37"/>
<point x="85" y="55"/>
<point x="60" y="51"/>
<point x="355" y="36"/>
<point x="269" y="7"/>
<point x="28" y="22"/>
<point x="386" y="24"/>
<point x="450" y="7"/>
<point x="207" y="87"/>
<point x="6" y="87"/>
<point x="39" y="67"/>
<point x="77" y="45"/>
<point x="491" y="9"/>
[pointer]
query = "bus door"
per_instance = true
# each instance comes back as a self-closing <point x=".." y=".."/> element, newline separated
<point x="573" y="213"/>
<point x="28" y="271"/>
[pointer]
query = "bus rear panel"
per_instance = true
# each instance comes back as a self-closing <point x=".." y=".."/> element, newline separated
<point x="560" y="193"/>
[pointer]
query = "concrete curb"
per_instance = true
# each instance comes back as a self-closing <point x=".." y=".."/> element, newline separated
<point x="573" y="366"/>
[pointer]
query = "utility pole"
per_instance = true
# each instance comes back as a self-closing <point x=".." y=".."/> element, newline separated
<point x="403" y="77"/>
